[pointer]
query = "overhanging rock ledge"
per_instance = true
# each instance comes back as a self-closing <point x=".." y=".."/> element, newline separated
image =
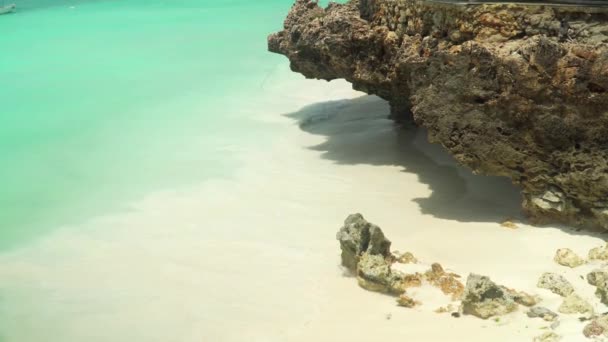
<point x="512" y="90"/>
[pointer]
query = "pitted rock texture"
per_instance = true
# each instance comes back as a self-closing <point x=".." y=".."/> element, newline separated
<point x="357" y="237"/>
<point x="509" y="89"/>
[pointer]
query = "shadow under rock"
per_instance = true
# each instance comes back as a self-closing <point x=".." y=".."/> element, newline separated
<point x="359" y="132"/>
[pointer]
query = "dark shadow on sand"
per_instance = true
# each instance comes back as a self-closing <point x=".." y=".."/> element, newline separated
<point x="358" y="132"/>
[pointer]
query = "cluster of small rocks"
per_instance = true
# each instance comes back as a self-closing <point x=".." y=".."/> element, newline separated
<point x="366" y="252"/>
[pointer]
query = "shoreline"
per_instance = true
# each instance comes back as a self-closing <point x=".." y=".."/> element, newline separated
<point x="254" y="257"/>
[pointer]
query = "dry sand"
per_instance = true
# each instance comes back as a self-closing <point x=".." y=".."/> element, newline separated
<point x="254" y="258"/>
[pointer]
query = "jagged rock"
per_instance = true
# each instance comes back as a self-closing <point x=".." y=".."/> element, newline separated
<point x="566" y="257"/>
<point x="374" y="274"/>
<point x="575" y="304"/>
<point x="447" y="282"/>
<point x="549" y="336"/>
<point x="515" y="90"/>
<point x="602" y="292"/>
<point x="598" y="253"/>
<point x="555" y="283"/>
<point x="406" y="258"/>
<point x="358" y="236"/>
<point x="484" y="299"/>
<point x="599" y="279"/>
<point x="542" y="312"/>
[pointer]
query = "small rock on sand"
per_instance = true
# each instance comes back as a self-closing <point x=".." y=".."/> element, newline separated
<point x="574" y="304"/>
<point x="599" y="279"/>
<point x="406" y="258"/>
<point x="566" y="257"/>
<point x="597" y="276"/>
<point x="484" y="299"/>
<point x="547" y="337"/>
<point x="598" y="253"/>
<point x="509" y="224"/>
<point x="406" y="301"/>
<point x="597" y="327"/>
<point x="542" y="312"/>
<point x="555" y="283"/>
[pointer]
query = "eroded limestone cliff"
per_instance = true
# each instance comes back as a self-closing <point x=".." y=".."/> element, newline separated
<point x="509" y="89"/>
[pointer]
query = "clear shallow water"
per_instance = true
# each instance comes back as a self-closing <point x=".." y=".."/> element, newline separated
<point x="104" y="101"/>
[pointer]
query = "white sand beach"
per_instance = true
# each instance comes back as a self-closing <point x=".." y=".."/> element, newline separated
<point x="254" y="258"/>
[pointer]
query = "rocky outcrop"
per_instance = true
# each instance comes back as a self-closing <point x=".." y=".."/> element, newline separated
<point x="513" y="90"/>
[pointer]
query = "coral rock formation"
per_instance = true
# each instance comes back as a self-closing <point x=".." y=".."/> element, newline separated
<point x="566" y="257"/>
<point x="358" y="236"/>
<point x="484" y="299"/>
<point x="575" y="304"/>
<point x="555" y="283"/>
<point x="366" y="252"/>
<point x="515" y="90"/>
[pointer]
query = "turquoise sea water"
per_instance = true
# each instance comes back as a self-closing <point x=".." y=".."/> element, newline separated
<point x="102" y="101"/>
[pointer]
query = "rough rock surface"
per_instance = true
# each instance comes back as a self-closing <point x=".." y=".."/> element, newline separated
<point x="598" y="253"/>
<point x="555" y="283"/>
<point x="358" y="236"/>
<point x="599" y="279"/>
<point x="566" y="257"/>
<point x="542" y="312"/>
<point x="484" y="299"/>
<point x="366" y="252"/>
<point x="597" y="327"/>
<point x="515" y="90"/>
<point x="575" y="304"/>
<point x="596" y="277"/>
<point x="374" y="273"/>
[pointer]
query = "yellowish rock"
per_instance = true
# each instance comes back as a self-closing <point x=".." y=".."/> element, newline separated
<point x="407" y="301"/>
<point x="509" y="224"/>
<point x="549" y="336"/>
<point x="407" y="258"/>
<point x="566" y="257"/>
<point x="448" y="283"/>
<point x="575" y="304"/>
<point x="598" y="253"/>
